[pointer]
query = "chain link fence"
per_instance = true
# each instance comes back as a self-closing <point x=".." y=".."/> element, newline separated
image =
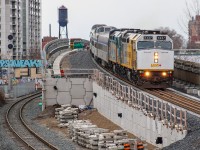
<point x="19" y="89"/>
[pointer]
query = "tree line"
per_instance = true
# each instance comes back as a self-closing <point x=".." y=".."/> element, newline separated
<point x="191" y="10"/>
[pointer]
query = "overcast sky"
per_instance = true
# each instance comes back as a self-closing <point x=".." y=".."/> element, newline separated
<point x="142" y="14"/>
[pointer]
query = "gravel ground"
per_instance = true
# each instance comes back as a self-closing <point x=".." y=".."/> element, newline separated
<point x="6" y="143"/>
<point x="81" y="60"/>
<point x="58" y="139"/>
<point x="192" y="139"/>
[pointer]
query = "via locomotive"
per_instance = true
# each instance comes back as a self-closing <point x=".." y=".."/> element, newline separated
<point x="144" y="57"/>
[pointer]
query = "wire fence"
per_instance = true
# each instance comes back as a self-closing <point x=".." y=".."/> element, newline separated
<point x="19" y="89"/>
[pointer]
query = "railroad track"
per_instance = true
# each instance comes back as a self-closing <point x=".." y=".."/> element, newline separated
<point x="179" y="100"/>
<point x="21" y="130"/>
<point x="167" y="95"/>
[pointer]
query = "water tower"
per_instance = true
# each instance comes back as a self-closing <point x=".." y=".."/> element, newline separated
<point x="63" y="20"/>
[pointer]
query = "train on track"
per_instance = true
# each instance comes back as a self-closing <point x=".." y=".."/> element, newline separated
<point x="144" y="57"/>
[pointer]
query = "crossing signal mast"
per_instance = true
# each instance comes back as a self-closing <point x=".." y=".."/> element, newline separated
<point x="63" y="21"/>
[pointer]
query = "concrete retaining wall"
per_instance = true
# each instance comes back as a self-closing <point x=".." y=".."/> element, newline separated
<point x="75" y="91"/>
<point x="133" y="119"/>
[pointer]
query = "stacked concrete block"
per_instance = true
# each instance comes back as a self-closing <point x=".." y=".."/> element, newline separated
<point x="106" y="140"/>
<point x="83" y="139"/>
<point x="195" y="91"/>
<point x="188" y="88"/>
<point x="90" y="136"/>
<point x="75" y="126"/>
<point x="66" y="113"/>
<point x="117" y="140"/>
<point x="85" y="133"/>
<point x="94" y="139"/>
<point x="192" y="90"/>
<point x="120" y="138"/>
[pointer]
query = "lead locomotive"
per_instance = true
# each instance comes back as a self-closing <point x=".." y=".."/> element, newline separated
<point x="142" y="56"/>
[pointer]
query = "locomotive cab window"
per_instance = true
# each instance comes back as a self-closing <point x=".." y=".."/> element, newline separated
<point x="145" y="45"/>
<point x="107" y="29"/>
<point x="152" y="45"/>
<point x="163" y="45"/>
<point x="100" y="30"/>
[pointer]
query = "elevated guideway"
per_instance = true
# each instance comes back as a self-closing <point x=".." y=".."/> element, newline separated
<point x="187" y="66"/>
<point x="187" y="70"/>
<point x="188" y="60"/>
<point x="54" y="46"/>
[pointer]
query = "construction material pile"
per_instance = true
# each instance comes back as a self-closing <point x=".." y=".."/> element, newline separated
<point x="64" y="114"/>
<point x="90" y="136"/>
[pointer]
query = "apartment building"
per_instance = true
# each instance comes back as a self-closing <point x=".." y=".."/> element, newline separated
<point x="22" y="20"/>
<point x="32" y="41"/>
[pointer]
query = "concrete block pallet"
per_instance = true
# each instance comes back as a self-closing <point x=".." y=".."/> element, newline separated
<point x="65" y="114"/>
<point x="90" y="136"/>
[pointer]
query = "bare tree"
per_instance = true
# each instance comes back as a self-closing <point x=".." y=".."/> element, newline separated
<point x="191" y="10"/>
<point x="178" y="40"/>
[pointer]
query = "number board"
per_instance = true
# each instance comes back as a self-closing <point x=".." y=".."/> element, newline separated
<point x="161" y="38"/>
<point x="148" y="37"/>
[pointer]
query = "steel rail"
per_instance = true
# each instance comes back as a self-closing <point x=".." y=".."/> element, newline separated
<point x="29" y="98"/>
<point x="186" y="103"/>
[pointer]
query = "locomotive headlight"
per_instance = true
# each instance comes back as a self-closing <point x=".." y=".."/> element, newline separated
<point x="156" y="60"/>
<point x="164" y="74"/>
<point x="155" y="57"/>
<point x="147" y="74"/>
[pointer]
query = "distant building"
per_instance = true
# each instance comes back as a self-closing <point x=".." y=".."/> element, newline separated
<point x="32" y="43"/>
<point x="47" y="39"/>
<point x="194" y="32"/>
<point x="10" y="24"/>
<point x="22" y="20"/>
